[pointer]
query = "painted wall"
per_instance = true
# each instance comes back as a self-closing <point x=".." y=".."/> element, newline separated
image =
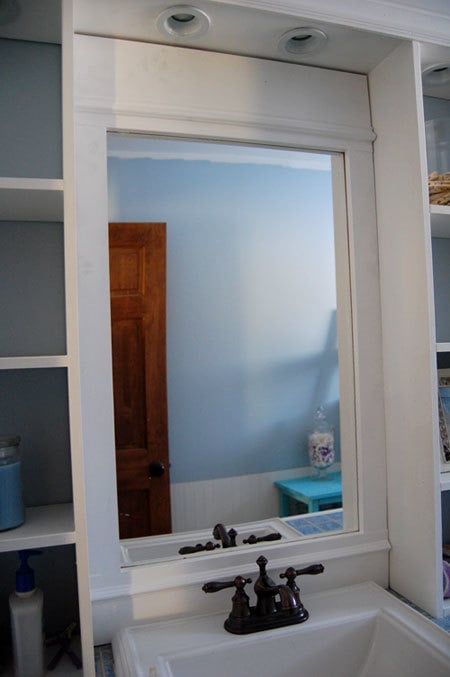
<point x="251" y="298"/>
<point x="441" y="276"/>
<point x="440" y="108"/>
<point x="30" y="114"/>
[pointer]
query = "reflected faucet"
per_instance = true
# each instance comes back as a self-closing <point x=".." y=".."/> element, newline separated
<point x="268" y="612"/>
<point x="228" y="538"/>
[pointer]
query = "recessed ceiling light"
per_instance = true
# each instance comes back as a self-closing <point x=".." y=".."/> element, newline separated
<point x="436" y="75"/>
<point x="183" y="21"/>
<point x="304" y="40"/>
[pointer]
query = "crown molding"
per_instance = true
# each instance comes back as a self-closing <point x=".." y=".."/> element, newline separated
<point x="423" y="20"/>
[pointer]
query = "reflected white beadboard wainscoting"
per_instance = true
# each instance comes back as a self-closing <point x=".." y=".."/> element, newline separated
<point x="202" y="504"/>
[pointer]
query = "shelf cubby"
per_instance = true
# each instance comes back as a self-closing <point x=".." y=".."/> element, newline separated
<point x="440" y="220"/>
<point x="44" y="526"/>
<point x="31" y="199"/>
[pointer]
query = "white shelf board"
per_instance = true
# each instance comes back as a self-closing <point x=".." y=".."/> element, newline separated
<point x="44" y="526"/>
<point x="445" y="481"/>
<point x="446" y="607"/>
<point x="31" y="199"/>
<point x="443" y="347"/>
<point x="34" y="362"/>
<point x="440" y="221"/>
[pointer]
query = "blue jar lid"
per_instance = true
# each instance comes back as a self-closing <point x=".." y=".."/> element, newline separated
<point x="8" y="448"/>
<point x="9" y="441"/>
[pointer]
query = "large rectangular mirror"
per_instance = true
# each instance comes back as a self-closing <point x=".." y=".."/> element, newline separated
<point x="231" y="325"/>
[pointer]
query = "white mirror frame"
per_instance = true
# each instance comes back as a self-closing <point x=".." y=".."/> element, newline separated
<point x="151" y="89"/>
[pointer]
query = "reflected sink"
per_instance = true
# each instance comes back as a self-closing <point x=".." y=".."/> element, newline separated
<point x="138" y="551"/>
<point x="358" y="631"/>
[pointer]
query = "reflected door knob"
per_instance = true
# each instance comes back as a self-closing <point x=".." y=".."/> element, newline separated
<point x="156" y="469"/>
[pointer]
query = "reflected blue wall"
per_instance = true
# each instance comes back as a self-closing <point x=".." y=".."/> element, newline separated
<point x="251" y="335"/>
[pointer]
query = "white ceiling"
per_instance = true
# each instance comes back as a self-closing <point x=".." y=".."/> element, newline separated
<point x="234" y="29"/>
<point x="254" y="27"/>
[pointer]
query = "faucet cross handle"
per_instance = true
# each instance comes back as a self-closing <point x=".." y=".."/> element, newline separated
<point x="215" y="586"/>
<point x="252" y="539"/>
<point x="232" y="533"/>
<point x="290" y="574"/>
<point x="312" y="570"/>
<point x="189" y="549"/>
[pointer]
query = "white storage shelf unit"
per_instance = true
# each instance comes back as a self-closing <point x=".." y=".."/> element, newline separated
<point x="36" y="355"/>
<point x="418" y="518"/>
<point x="437" y="105"/>
<point x="440" y="230"/>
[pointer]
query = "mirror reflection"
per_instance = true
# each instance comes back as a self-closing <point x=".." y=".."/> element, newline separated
<point x="224" y="330"/>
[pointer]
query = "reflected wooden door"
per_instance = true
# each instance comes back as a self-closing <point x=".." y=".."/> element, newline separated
<point x="137" y="255"/>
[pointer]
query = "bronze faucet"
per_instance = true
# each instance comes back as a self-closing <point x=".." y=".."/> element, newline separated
<point x="228" y="538"/>
<point x="268" y="612"/>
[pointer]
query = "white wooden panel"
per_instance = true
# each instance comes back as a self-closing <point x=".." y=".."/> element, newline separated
<point x="143" y="79"/>
<point x="408" y="329"/>
<point x="440" y="221"/>
<point x="31" y="199"/>
<point x="144" y="88"/>
<point x="73" y="377"/>
<point x="38" y="362"/>
<point x="44" y="526"/>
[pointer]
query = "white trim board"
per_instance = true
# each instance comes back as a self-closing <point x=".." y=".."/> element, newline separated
<point x="153" y="89"/>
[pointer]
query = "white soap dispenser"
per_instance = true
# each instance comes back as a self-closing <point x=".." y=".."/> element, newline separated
<point x="26" y="606"/>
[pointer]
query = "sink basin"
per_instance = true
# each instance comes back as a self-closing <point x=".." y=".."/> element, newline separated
<point x="359" y="631"/>
<point x="375" y="645"/>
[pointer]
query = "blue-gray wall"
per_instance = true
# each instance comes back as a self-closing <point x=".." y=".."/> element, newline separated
<point x="30" y="110"/>
<point x="251" y="335"/>
<point x="441" y="275"/>
<point x="440" y="108"/>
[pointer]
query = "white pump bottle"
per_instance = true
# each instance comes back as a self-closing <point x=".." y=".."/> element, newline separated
<point x="26" y="606"/>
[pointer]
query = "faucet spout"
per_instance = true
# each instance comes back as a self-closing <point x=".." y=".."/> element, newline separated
<point x="288" y="599"/>
<point x="221" y="534"/>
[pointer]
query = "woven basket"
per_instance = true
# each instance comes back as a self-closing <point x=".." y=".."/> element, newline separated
<point x="439" y="188"/>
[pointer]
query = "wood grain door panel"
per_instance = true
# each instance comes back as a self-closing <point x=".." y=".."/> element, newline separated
<point x="138" y="329"/>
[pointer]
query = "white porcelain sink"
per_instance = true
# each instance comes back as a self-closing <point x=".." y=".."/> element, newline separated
<point x="360" y="631"/>
<point x="374" y="645"/>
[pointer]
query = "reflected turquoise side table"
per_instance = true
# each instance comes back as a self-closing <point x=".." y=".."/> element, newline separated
<point x="315" y="493"/>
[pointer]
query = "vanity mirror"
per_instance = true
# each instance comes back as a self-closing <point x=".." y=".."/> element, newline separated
<point x="237" y="257"/>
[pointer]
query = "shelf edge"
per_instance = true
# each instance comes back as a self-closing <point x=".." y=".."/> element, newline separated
<point x="44" y="526"/>
<point x="34" y="362"/>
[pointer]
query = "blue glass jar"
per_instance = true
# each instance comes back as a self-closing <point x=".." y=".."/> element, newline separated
<point x="12" y="512"/>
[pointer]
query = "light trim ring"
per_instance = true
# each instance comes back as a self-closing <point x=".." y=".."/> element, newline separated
<point x="436" y="75"/>
<point x="183" y="21"/>
<point x="302" y="41"/>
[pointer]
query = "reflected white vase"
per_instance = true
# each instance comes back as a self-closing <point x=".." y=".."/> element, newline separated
<point x="321" y="452"/>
